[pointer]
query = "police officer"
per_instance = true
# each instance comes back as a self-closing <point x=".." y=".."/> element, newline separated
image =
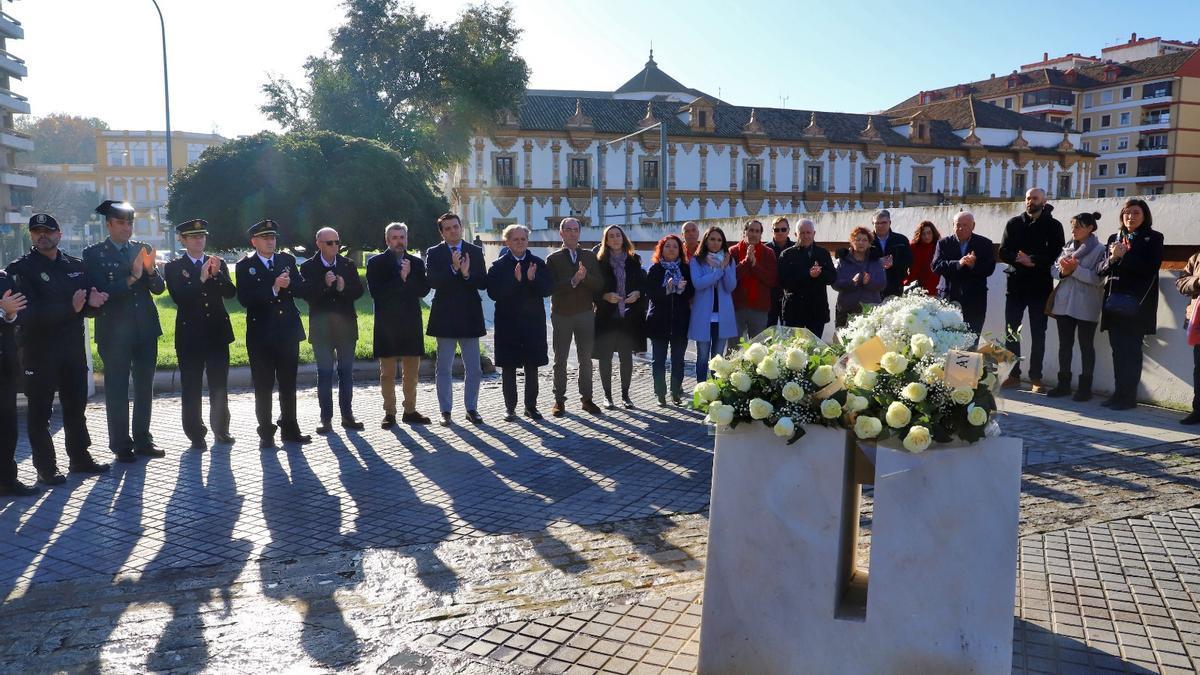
<point x="53" y="349"/>
<point x="11" y="304"/>
<point x="127" y="329"/>
<point x="199" y="284"/>
<point x="267" y="282"/>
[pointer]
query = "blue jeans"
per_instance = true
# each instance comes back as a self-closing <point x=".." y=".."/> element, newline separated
<point x="677" y="345"/>
<point x="703" y="354"/>
<point x="326" y="355"/>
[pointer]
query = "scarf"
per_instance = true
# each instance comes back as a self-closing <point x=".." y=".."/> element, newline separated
<point x="671" y="273"/>
<point x="617" y="261"/>
<point x="1079" y="249"/>
<point x="715" y="259"/>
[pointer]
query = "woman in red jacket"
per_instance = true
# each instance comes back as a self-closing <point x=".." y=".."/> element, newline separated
<point x="924" y="245"/>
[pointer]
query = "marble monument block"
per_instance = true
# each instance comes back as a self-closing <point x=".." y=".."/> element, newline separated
<point x="784" y="589"/>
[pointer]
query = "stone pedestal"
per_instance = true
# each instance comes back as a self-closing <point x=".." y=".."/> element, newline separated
<point x="782" y="594"/>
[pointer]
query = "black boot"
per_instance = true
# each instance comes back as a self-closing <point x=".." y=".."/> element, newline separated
<point x="1063" y="387"/>
<point x="1084" y="392"/>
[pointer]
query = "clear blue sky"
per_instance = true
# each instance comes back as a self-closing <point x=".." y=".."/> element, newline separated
<point x="849" y="56"/>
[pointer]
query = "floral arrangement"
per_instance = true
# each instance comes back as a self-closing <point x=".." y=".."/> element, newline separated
<point x="902" y="371"/>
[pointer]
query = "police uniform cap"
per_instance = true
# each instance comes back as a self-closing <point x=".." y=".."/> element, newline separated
<point x="110" y="208"/>
<point x="193" y="226"/>
<point x="267" y="226"/>
<point x="43" y="221"/>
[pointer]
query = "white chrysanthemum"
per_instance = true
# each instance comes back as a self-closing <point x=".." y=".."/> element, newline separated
<point x="917" y="439"/>
<point x="721" y="366"/>
<point x="769" y="368"/>
<point x="741" y="380"/>
<point x="867" y="427"/>
<point x="760" y="409"/>
<point x="894" y="363"/>
<point x="720" y="414"/>
<point x="962" y="395"/>
<point x="784" y="428"/>
<point x="915" y="392"/>
<point x="707" y="391"/>
<point x="823" y="375"/>
<point x="920" y="344"/>
<point x="797" y="359"/>
<point x="755" y="353"/>
<point x="976" y="415"/>
<point x="865" y="379"/>
<point x="898" y="415"/>
<point x="831" y="409"/>
<point x="793" y="392"/>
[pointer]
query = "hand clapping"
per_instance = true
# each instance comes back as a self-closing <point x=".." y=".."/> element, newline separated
<point x="12" y="303"/>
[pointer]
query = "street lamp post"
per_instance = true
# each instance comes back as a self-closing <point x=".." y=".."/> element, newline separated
<point x="166" y="89"/>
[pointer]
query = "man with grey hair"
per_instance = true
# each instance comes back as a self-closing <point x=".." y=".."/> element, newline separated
<point x="893" y="250"/>
<point x="396" y="279"/>
<point x="1030" y="245"/>
<point x="965" y="260"/>
<point x="333" y="325"/>
<point x="577" y="280"/>
<point x="691" y="238"/>
<point x="519" y="282"/>
<point x="805" y="273"/>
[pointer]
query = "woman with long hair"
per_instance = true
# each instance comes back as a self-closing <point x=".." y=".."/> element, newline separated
<point x="923" y="246"/>
<point x="714" y="277"/>
<point x="620" y="311"/>
<point x="1130" y="297"/>
<point x="669" y="287"/>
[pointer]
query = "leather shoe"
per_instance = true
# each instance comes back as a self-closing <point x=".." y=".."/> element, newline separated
<point x="627" y="402"/>
<point x="296" y="438"/>
<point x="224" y="437"/>
<point x="1123" y="405"/>
<point x="510" y="416"/>
<point x="1036" y="386"/>
<point x="388" y="422"/>
<point x="267" y="443"/>
<point x="588" y="405"/>
<point x="90" y="467"/>
<point x="150" y="451"/>
<point x="1192" y="418"/>
<point x="325" y="428"/>
<point x="17" y="489"/>
<point x="55" y="478"/>
<point x="199" y="444"/>
<point x="473" y="417"/>
<point x="126" y="457"/>
<point x="446" y="421"/>
<point x="1011" y="381"/>
<point x="559" y="409"/>
<point x="415" y="417"/>
<point x="533" y="414"/>
<point x="351" y="423"/>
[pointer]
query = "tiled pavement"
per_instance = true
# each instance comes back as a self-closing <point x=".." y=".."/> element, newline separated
<point x="417" y="549"/>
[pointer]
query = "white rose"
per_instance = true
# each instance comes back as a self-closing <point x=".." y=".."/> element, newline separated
<point x="769" y="368"/>
<point x="917" y="440"/>
<point x="962" y="395"/>
<point x="989" y="380"/>
<point x="823" y="375"/>
<point x="707" y="391"/>
<point x="793" y="392"/>
<point x="865" y="379"/>
<point x="867" y="427"/>
<point x="740" y="380"/>
<point x="894" y="363"/>
<point x="921" y="345"/>
<point x="784" y="427"/>
<point x="915" y="392"/>
<point x="760" y="409"/>
<point x="720" y="414"/>
<point x="898" y="415"/>
<point x="976" y="415"/>
<point x="856" y="403"/>
<point x="831" y="409"/>
<point x="934" y="373"/>
<point x="755" y="353"/>
<point x="720" y="365"/>
<point x="797" y="359"/>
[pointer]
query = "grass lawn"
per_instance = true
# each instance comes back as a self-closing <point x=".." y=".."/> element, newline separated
<point x="237" y="314"/>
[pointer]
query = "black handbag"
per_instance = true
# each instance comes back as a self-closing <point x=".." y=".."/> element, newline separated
<point x="1124" y="305"/>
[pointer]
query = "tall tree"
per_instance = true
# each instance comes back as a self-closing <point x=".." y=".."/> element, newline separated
<point x="59" y="138"/>
<point x="395" y="76"/>
<point x="305" y="181"/>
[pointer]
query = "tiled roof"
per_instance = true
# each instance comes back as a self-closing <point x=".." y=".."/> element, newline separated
<point x="1087" y="77"/>
<point x="652" y="79"/>
<point x="963" y="113"/>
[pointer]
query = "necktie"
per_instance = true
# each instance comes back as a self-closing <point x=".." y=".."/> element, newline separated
<point x="199" y="265"/>
<point x="271" y="264"/>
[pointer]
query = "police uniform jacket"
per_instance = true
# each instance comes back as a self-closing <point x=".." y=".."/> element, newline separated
<point x="201" y="319"/>
<point x="457" y="311"/>
<point x="49" y="324"/>
<point x="129" y="313"/>
<point x="332" y="319"/>
<point x="397" y="329"/>
<point x="270" y="318"/>
<point x="9" y="363"/>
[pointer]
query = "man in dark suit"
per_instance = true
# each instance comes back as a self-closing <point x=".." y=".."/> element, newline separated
<point x="780" y="242"/>
<point x="397" y="283"/>
<point x="893" y="250"/>
<point x="267" y="283"/>
<point x="806" y="272"/>
<point x="59" y="295"/>
<point x="456" y="271"/>
<point x="965" y="260"/>
<point x="199" y="285"/>
<point x="12" y="302"/>
<point x="127" y="329"/>
<point x="333" y="287"/>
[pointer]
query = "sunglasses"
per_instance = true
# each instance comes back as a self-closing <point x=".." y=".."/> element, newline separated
<point x="781" y="229"/>
<point x="331" y="242"/>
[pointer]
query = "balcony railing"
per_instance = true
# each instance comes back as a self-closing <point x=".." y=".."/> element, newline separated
<point x="814" y="186"/>
<point x="14" y="65"/>
<point x="14" y="101"/>
<point x="504" y="179"/>
<point x="1156" y="119"/>
<point x="10" y="27"/>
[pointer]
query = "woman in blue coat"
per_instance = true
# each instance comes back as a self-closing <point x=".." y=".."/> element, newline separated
<point x="669" y="287"/>
<point x="519" y="282"/>
<point x="714" y="279"/>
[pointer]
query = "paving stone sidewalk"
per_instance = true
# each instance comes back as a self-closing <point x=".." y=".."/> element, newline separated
<point x="357" y="551"/>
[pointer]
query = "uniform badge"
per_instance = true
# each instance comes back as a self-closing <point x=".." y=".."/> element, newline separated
<point x="186" y="274"/>
<point x="253" y="270"/>
<point x="45" y="277"/>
